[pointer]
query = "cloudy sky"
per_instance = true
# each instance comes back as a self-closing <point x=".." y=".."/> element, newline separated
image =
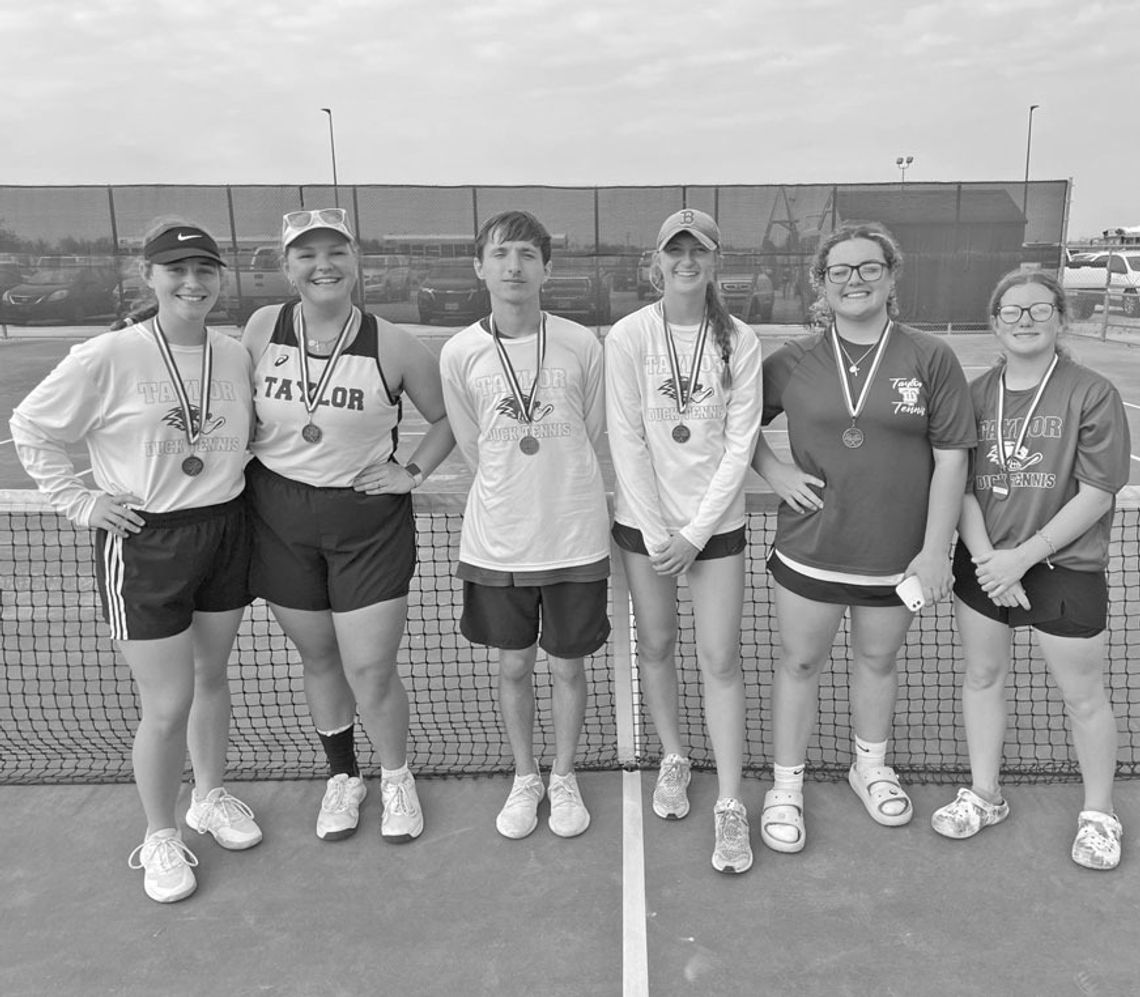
<point x="575" y="92"/>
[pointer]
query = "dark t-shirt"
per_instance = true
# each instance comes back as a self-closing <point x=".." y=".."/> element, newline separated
<point x="873" y="519"/>
<point x="1079" y="432"/>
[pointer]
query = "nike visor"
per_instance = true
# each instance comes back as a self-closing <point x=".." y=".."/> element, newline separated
<point x="182" y="242"/>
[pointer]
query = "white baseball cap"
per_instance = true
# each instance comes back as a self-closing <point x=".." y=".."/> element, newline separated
<point x="295" y="224"/>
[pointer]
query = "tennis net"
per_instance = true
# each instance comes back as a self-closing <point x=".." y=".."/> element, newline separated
<point x="68" y="707"/>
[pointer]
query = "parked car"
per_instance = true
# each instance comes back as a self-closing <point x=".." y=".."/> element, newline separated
<point x="451" y="293"/>
<point x="261" y="282"/>
<point x="10" y="276"/>
<point x="61" y="295"/>
<point x="746" y="291"/>
<point x="387" y="277"/>
<point x="21" y="261"/>
<point x="1087" y="275"/>
<point x="581" y="297"/>
<point x="645" y="288"/>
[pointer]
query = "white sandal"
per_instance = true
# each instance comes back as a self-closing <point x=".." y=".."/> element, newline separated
<point x="782" y="809"/>
<point x="878" y="787"/>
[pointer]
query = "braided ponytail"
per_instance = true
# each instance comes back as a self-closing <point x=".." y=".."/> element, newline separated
<point x="722" y="328"/>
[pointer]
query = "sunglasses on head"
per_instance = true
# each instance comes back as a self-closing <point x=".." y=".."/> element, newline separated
<point x="331" y="216"/>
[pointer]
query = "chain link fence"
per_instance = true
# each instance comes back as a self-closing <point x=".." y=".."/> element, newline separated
<point x="69" y="255"/>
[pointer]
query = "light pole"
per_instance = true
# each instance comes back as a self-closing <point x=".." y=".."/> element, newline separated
<point x="903" y="163"/>
<point x="332" y="151"/>
<point x="1028" y="148"/>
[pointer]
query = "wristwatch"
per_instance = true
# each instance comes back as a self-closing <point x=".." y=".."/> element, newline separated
<point x="416" y="473"/>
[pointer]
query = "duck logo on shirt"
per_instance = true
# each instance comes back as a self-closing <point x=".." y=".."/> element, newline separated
<point x="177" y="420"/>
<point x="1020" y="460"/>
<point x="509" y="407"/>
<point x="669" y="389"/>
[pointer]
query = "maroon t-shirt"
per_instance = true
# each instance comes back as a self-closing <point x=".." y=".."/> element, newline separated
<point x="873" y="519"/>
<point x="1079" y="432"/>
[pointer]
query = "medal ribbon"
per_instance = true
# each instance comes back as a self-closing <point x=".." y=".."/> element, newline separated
<point x="684" y="397"/>
<point x="526" y="405"/>
<point x="311" y="403"/>
<point x="193" y="433"/>
<point x="1003" y="460"/>
<point x="855" y="408"/>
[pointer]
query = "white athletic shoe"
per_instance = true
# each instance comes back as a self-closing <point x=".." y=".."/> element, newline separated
<point x="568" y="814"/>
<point x="402" y="819"/>
<point x="225" y="817"/>
<point x="340" y="808"/>
<point x="167" y="861"/>
<point x="519" y="815"/>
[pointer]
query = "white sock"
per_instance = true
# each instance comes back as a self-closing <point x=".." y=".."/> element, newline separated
<point x="394" y="775"/>
<point x="869" y="754"/>
<point x="788" y="778"/>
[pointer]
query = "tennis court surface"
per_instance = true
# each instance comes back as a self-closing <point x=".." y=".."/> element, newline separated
<point x="633" y="906"/>
<point x="863" y="911"/>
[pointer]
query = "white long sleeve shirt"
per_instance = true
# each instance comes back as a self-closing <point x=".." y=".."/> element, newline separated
<point x="663" y="486"/>
<point x="114" y="393"/>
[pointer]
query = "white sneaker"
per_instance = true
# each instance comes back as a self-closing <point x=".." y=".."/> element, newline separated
<point x="519" y="815"/>
<point x="733" y="852"/>
<point x="402" y="819"/>
<point x="167" y="861"/>
<point x="568" y="814"/>
<point x="225" y="817"/>
<point x="340" y="808"/>
<point x="671" y="794"/>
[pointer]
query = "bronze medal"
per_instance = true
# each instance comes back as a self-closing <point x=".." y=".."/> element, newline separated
<point x="1000" y="487"/>
<point x="853" y="437"/>
<point x="193" y="419"/>
<point x="311" y="395"/>
<point x="682" y="389"/>
<point x="528" y="445"/>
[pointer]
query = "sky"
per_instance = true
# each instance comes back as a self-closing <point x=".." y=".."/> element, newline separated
<point x="576" y="92"/>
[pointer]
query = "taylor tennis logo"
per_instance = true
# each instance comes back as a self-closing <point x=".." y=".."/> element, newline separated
<point x="669" y="389"/>
<point x="910" y="393"/>
<point x="175" y="418"/>
<point x="509" y="407"/>
<point x="1020" y="460"/>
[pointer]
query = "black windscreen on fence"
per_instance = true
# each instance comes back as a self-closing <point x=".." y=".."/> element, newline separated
<point x="958" y="238"/>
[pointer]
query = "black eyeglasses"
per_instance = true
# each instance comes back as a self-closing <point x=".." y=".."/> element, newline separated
<point x="1039" y="311"/>
<point x="870" y="270"/>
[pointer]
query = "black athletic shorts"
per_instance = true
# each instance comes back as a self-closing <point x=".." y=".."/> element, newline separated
<point x="191" y="560"/>
<point x="327" y="548"/>
<point x="1062" y="602"/>
<point x="834" y="593"/>
<point x="718" y="545"/>
<point x="572" y="616"/>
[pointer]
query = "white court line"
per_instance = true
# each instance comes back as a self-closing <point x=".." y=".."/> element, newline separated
<point x="635" y="956"/>
<point x="1130" y="405"/>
